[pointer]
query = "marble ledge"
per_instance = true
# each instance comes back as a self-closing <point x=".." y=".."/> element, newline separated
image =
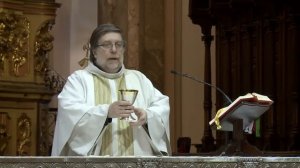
<point x="147" y="162"/>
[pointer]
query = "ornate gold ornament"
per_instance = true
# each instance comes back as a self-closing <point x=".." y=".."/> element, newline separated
<point x="43" y="46"/>
<point x="14" y="36"/>
<point x="24" y="135"/>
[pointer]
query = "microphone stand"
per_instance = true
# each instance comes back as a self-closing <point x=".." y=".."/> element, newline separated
<point x="229" y="101"/>
<point x="239" y="144"/>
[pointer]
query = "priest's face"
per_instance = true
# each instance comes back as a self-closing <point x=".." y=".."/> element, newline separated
<point x="109" y="54"/>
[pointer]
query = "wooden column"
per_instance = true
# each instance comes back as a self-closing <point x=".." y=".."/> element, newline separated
<point x="270" y="30"/>
<point x="207" y="139"/>
<point x="292" y="89"/>
<point x="198" y="8"/>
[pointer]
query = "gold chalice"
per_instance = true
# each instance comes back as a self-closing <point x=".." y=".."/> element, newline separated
<point x="130" y="96"/>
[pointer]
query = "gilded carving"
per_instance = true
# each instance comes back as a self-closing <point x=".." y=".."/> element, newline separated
<point x="46" y="127"/>
<point x="24" y="135"/>
<point x="4" y="136"/>
<point x="54" y="81"/>
<point x="17" y="63"/>
<point x="14" y="37"/>
<point x="43" y="46"/>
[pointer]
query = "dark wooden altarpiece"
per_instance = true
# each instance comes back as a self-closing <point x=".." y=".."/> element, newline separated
<point x="257" y="50"/>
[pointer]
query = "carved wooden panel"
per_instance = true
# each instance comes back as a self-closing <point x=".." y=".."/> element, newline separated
<point x="26" y="81"/>
<point x="18" y="128"/>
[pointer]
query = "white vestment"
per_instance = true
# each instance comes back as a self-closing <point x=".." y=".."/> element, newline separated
<point x="80" y="123"/>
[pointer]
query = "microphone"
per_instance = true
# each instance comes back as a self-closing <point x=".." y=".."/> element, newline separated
<point x="203" y="82"/>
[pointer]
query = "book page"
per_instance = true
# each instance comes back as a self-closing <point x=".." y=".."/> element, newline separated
<point x="262" y="98"/>
<point x="246" y="97"/>
<point x="248" y="107"/>
<point x="246" y="111"/>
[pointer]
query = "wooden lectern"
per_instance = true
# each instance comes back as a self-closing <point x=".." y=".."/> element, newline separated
<point x="239" y="117"/>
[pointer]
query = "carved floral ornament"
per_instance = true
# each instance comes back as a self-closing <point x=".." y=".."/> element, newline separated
<point x="24" y="135"/>
<point x="43" y="46"/>
<point x="14" y="44"/>
<point x="14" y="36"/>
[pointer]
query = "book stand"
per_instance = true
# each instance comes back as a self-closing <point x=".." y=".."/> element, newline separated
<point x="239" y="146"/>
<point x="238" y="116"/>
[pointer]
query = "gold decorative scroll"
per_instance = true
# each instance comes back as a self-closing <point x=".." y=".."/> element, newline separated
<point x="14" y="39"/>
<point x="43" y="46"/>
<point x="24" y="135"/>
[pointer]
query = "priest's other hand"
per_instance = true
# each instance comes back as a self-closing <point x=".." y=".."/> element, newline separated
<point x="142" y="117"/>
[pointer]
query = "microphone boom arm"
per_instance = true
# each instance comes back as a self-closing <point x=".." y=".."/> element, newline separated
<point x="203" y="82"/>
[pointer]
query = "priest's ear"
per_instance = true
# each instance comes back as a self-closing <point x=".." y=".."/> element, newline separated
<point x="92" y="55"/>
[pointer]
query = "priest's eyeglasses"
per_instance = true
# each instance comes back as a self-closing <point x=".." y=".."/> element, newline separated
<point x="108" y="45"/>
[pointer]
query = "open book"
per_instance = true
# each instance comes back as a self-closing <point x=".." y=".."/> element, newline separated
<point x="248" y="108"/>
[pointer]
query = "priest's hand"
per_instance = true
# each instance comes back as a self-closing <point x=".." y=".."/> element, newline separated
<point x="142" y="117"/>
<point x="120" y="109"/>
